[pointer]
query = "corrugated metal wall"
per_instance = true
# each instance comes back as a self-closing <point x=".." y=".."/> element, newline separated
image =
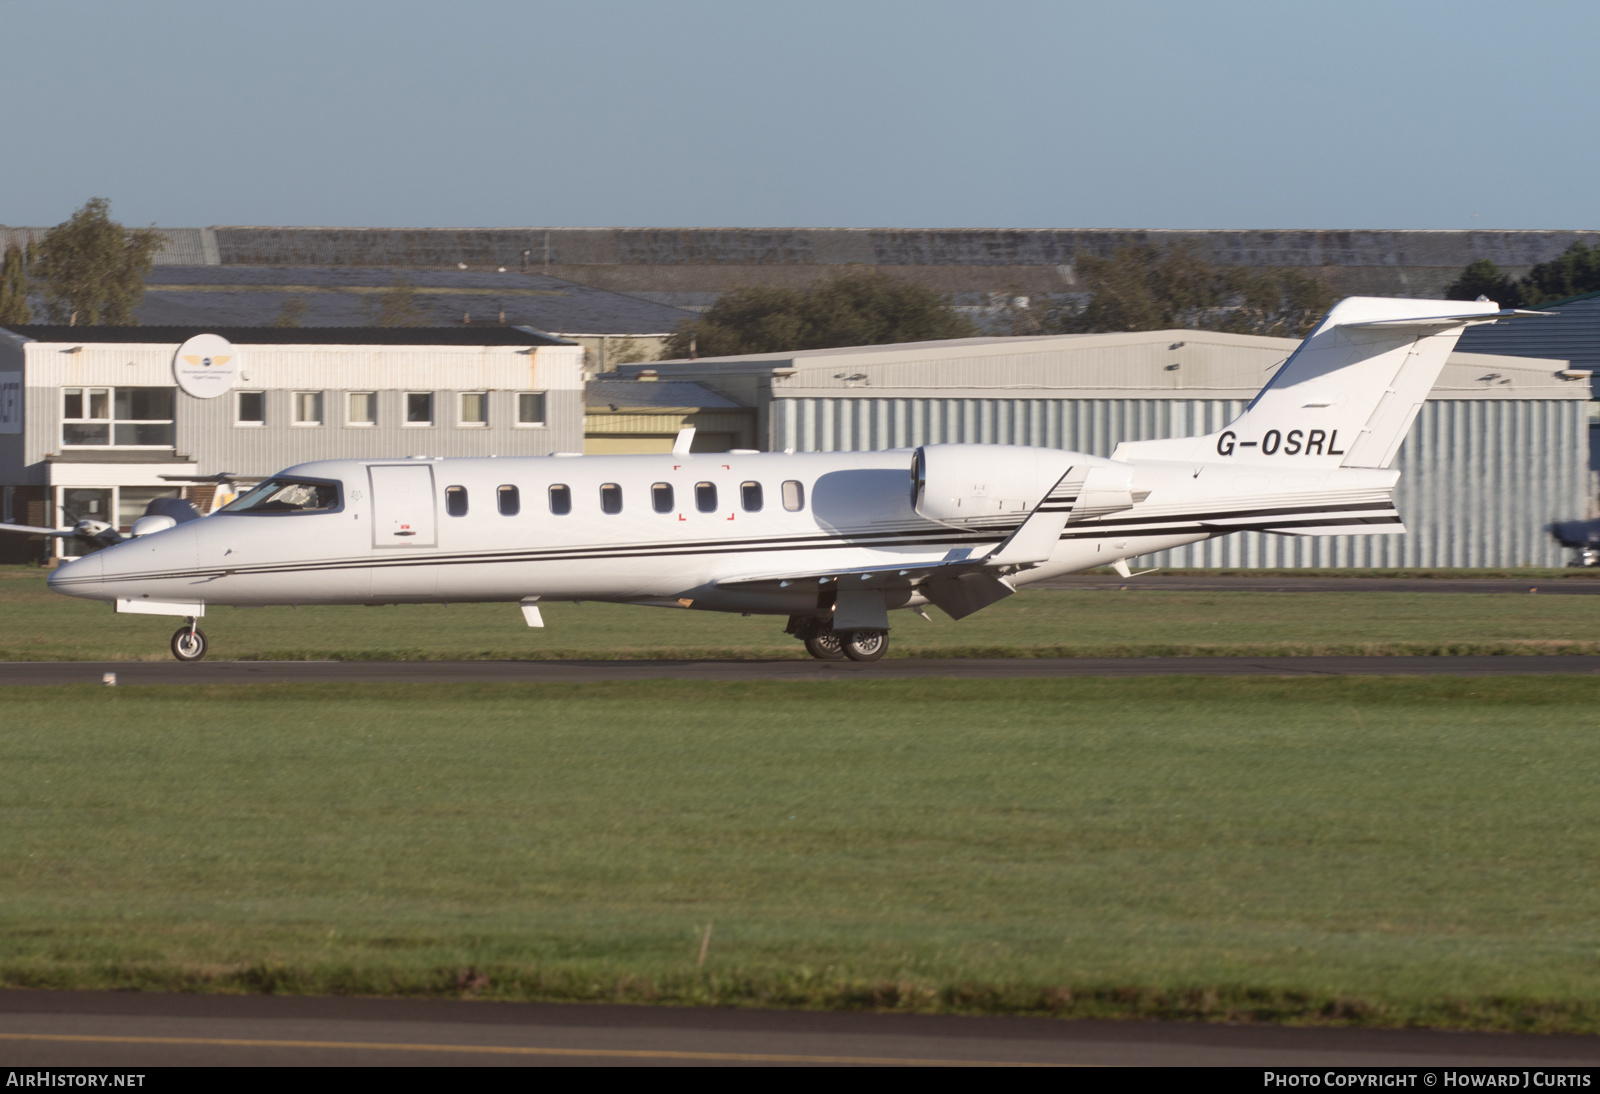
<point x="1481" y="478"/>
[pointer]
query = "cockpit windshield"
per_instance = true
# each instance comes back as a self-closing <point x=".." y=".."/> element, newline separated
<point x="287" y="496"/>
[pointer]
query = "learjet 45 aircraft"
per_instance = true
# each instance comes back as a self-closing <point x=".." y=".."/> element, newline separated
<point x="833" y="540"/>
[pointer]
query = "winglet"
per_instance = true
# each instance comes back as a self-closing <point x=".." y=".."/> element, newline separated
<point x="680" y="447"/>
<point x="1036" y="538"/>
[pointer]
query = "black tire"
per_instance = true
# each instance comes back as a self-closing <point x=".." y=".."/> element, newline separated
<point x="189" y="645"/>
<point x="826" y="646"/>
<point x="866" y="645"/>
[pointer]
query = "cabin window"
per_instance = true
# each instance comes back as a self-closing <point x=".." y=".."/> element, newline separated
<point x="308" y="408"/>
<point x="705" y="497"/>
<point x="610" y="498"/>
<point x="251" y="408"/>
<point x="419" y="408"/>
<point x="474" y="408"/>
<point x="530" y="408"/>
<point x="455" y="500"/>
<point x="750" y="496"/>
<point x="560" y="500"/>
<point x="794" y="496"/>
<point x="661" y="497"/>
<point x="363" y="409"/>
<point x="510" y="501"/>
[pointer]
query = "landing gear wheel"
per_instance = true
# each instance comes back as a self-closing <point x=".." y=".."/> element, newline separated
<point x="866" y="645"/>
<point x="189" y="645"/>
<point x="826" y="646"/>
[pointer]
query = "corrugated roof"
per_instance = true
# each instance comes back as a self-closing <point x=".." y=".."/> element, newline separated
<point x="663" y="393"/>
<point x="1571" y="334"/>
<point x="1170" y="363"/>
<point x="485" y="335"/>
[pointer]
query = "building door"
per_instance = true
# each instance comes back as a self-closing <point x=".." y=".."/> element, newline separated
<point x="402" y="505"/>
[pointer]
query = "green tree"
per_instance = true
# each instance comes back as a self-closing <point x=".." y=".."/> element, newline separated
<point x="91" y="269"/>
<point x="1146" y="287"/>
<point x="396" y="306"/>
<point x="1572" y="273"/>
<point x="293" y="312"/>
<point x="856" y="309"/>
<point x="1281" y="303"/>
<point x="14" y="287"/>
<point x="1484" y="278"/>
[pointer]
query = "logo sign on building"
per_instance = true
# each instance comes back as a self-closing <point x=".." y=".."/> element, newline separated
<point x="10" y="402"/>
<point x="205" y="366"/>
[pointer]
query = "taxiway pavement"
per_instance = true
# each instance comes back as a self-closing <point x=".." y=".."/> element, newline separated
<point x="13" y="673"/>
<point x="1194" y="583"/>
<point x="133" y="1030"/>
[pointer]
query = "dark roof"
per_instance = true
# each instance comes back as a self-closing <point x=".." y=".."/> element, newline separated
<point x="639" y="394"/>
<point x="476" y="335"/>
<point x="237" y="296"/>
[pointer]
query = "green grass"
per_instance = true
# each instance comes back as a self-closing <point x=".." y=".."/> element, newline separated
<point x="41" y="626"/>
<point x="1383" y="851"/>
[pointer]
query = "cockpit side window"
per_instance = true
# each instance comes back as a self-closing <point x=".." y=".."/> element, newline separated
<point x="288" y="496"/>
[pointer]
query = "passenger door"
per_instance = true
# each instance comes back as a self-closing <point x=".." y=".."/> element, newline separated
<point x="402" y="505"/>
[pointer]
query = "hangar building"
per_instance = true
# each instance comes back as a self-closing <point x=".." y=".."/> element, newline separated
<point x="1499" y="451"/>
<point x="92" y="418"/>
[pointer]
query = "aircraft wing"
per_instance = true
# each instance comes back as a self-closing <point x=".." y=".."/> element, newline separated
<point x="959" y="585"/>
<point x="892" y="575"/>
<point x="31" y="531"/>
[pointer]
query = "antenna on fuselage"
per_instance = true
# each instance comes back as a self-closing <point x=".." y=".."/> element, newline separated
<point x="680" y="447"/>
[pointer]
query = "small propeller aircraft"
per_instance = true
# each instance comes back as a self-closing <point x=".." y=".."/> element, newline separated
<point x="160" y="514"/>
<point x="1582" y="536"/>
<point x="834" y="541"/>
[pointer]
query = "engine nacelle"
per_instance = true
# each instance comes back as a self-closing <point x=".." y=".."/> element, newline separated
<point x="972" y="485"/>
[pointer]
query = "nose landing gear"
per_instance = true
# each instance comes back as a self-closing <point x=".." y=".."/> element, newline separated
<point x="189" y="642"/>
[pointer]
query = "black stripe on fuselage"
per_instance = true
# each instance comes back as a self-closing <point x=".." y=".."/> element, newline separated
<point x="1190" y="525"/>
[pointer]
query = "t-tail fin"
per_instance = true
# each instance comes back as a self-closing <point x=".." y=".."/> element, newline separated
<point x="1347" y="396"/>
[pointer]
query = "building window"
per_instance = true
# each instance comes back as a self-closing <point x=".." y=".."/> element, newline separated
<point x="510" y="500"/>
<point x="661" y="497"/>
<point x="750" y="496"/>
<point x="705" y="497"/>
<point x="308" y="408"/>
<point x="132" y="501"/>
<point x="794" y="496"/>
<point x="419" y="408"/>
<point x="530" y="408"/>
<point x="455" y="500"/>
<point x="362" y="409"/>
<point x="122" y="417"/>
<point x="610" y="498"/>
<point x="250" y="408"/>
<point x="560" y="500"/>
<point x="474" y="409"/>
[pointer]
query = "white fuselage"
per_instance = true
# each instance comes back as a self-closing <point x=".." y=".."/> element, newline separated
<point x="434" y="530"/>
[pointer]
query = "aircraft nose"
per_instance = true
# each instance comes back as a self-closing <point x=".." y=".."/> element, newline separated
<point x="84" y="577"/>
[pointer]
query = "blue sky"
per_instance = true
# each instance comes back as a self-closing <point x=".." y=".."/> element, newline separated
<point x="822" y="113"/>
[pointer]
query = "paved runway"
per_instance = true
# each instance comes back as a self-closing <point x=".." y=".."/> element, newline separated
<point x="132" y="1030"/>
<point x="572" y="672"/>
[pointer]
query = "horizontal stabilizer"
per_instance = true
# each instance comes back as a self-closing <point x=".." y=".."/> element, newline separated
<point x="1439" y="322"/>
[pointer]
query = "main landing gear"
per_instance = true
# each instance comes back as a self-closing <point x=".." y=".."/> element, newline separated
<point x="189" y="642"/>
<point x="826" y="644"/>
